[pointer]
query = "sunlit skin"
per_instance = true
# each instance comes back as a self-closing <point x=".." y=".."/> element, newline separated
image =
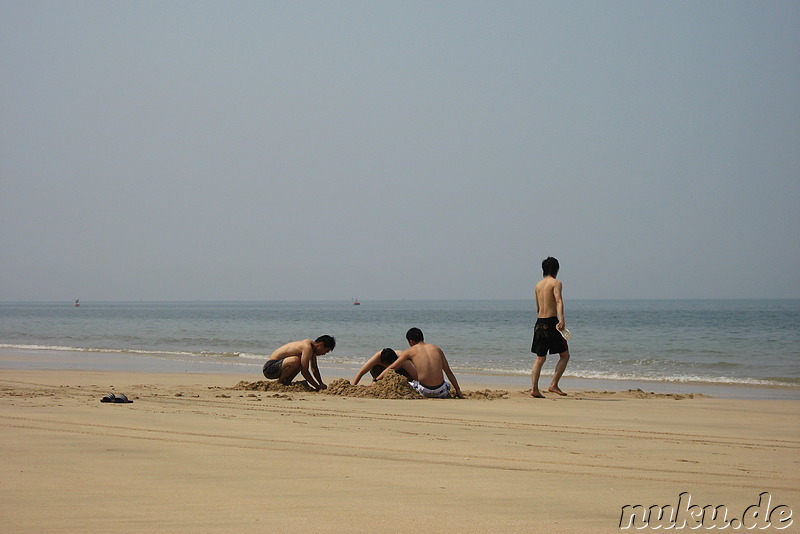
<point x="430" y="363"/>
<point x="301" y="357"/>
<point x="549" y="303"/>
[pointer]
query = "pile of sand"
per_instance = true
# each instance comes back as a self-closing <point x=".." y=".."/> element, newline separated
<point x="273" y="385"/>
<point x="391" y="386"/>
<point x="640" y="394"/>
<point x="486" y="394"/>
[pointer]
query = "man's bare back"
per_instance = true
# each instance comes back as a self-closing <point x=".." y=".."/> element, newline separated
<point x="548" y="300"/>
<point x="293" y="348"/>
<point x="427" y="359"/>
<point x="431" y="365"/>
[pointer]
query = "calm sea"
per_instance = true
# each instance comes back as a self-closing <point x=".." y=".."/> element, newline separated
<point x="754" y="342"/>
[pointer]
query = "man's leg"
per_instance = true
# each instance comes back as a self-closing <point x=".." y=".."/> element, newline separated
<point x="561" y="366"/>
<point x="535" y="372"/>
<point x="289" y="369"/>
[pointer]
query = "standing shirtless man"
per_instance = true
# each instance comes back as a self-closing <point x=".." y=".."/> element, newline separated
<point x="430" y="364"/>
<point x="546" y="335"/>
<point x="299" y="357"/>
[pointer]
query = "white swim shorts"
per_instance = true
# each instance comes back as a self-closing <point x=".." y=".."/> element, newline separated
<point x="439" y="392"/>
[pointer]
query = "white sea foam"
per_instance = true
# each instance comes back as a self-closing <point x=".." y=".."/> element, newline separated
<point x="250" y="356"/>
<point x="681" y="379"/>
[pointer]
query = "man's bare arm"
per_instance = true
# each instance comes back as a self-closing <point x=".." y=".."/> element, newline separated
<point x="306" y="358"/>
<point x="401" y="357"/>
<point x="559" y="305"/>
<point x="451" y="376"/>
<point x="315" y="369"/>
<point x="366" y="367"/>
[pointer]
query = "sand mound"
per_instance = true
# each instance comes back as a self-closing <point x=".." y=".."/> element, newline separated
<point x="640" y="394"/>
<point x="392" y="386"/>
<point x="272" y="385"/>
<point x="486" y="394"/>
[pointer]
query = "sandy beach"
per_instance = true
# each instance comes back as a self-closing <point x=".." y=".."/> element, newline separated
<point x="193" y="453"/>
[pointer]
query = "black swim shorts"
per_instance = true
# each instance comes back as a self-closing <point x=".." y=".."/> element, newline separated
<point x="547" y="339"/>
<point x="272" y="369"/>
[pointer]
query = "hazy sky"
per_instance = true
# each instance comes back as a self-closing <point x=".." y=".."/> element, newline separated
<point x="184" y="150"/>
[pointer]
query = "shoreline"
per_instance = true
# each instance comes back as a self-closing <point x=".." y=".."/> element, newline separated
<point x="22" y="359"/>
<point x="193" y="453"/>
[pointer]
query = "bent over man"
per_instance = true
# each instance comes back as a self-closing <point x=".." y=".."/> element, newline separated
<point x="299" y="357"/>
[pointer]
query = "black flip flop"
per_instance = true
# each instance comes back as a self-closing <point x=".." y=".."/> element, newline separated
<point x="119" y="398"/>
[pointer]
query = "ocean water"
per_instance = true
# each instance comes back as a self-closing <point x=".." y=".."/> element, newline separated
<point x="735" y="342"/>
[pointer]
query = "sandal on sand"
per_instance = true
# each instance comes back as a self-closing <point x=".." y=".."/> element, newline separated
<point x="120" y="398"/>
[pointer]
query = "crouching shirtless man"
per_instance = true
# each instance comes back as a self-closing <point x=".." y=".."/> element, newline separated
<point x="299" y="357"/>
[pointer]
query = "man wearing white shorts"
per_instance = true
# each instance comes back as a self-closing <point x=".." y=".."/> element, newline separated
<point x="431" y="365"/>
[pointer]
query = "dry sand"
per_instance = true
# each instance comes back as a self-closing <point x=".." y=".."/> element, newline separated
<point x="219" y="453"/>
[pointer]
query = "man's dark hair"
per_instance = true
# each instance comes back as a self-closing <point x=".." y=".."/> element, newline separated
<point x="550" y="267"/>
<point x="388" y="357"/>
<point x="328" y="341"/>
<point x="415" y="335"/>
